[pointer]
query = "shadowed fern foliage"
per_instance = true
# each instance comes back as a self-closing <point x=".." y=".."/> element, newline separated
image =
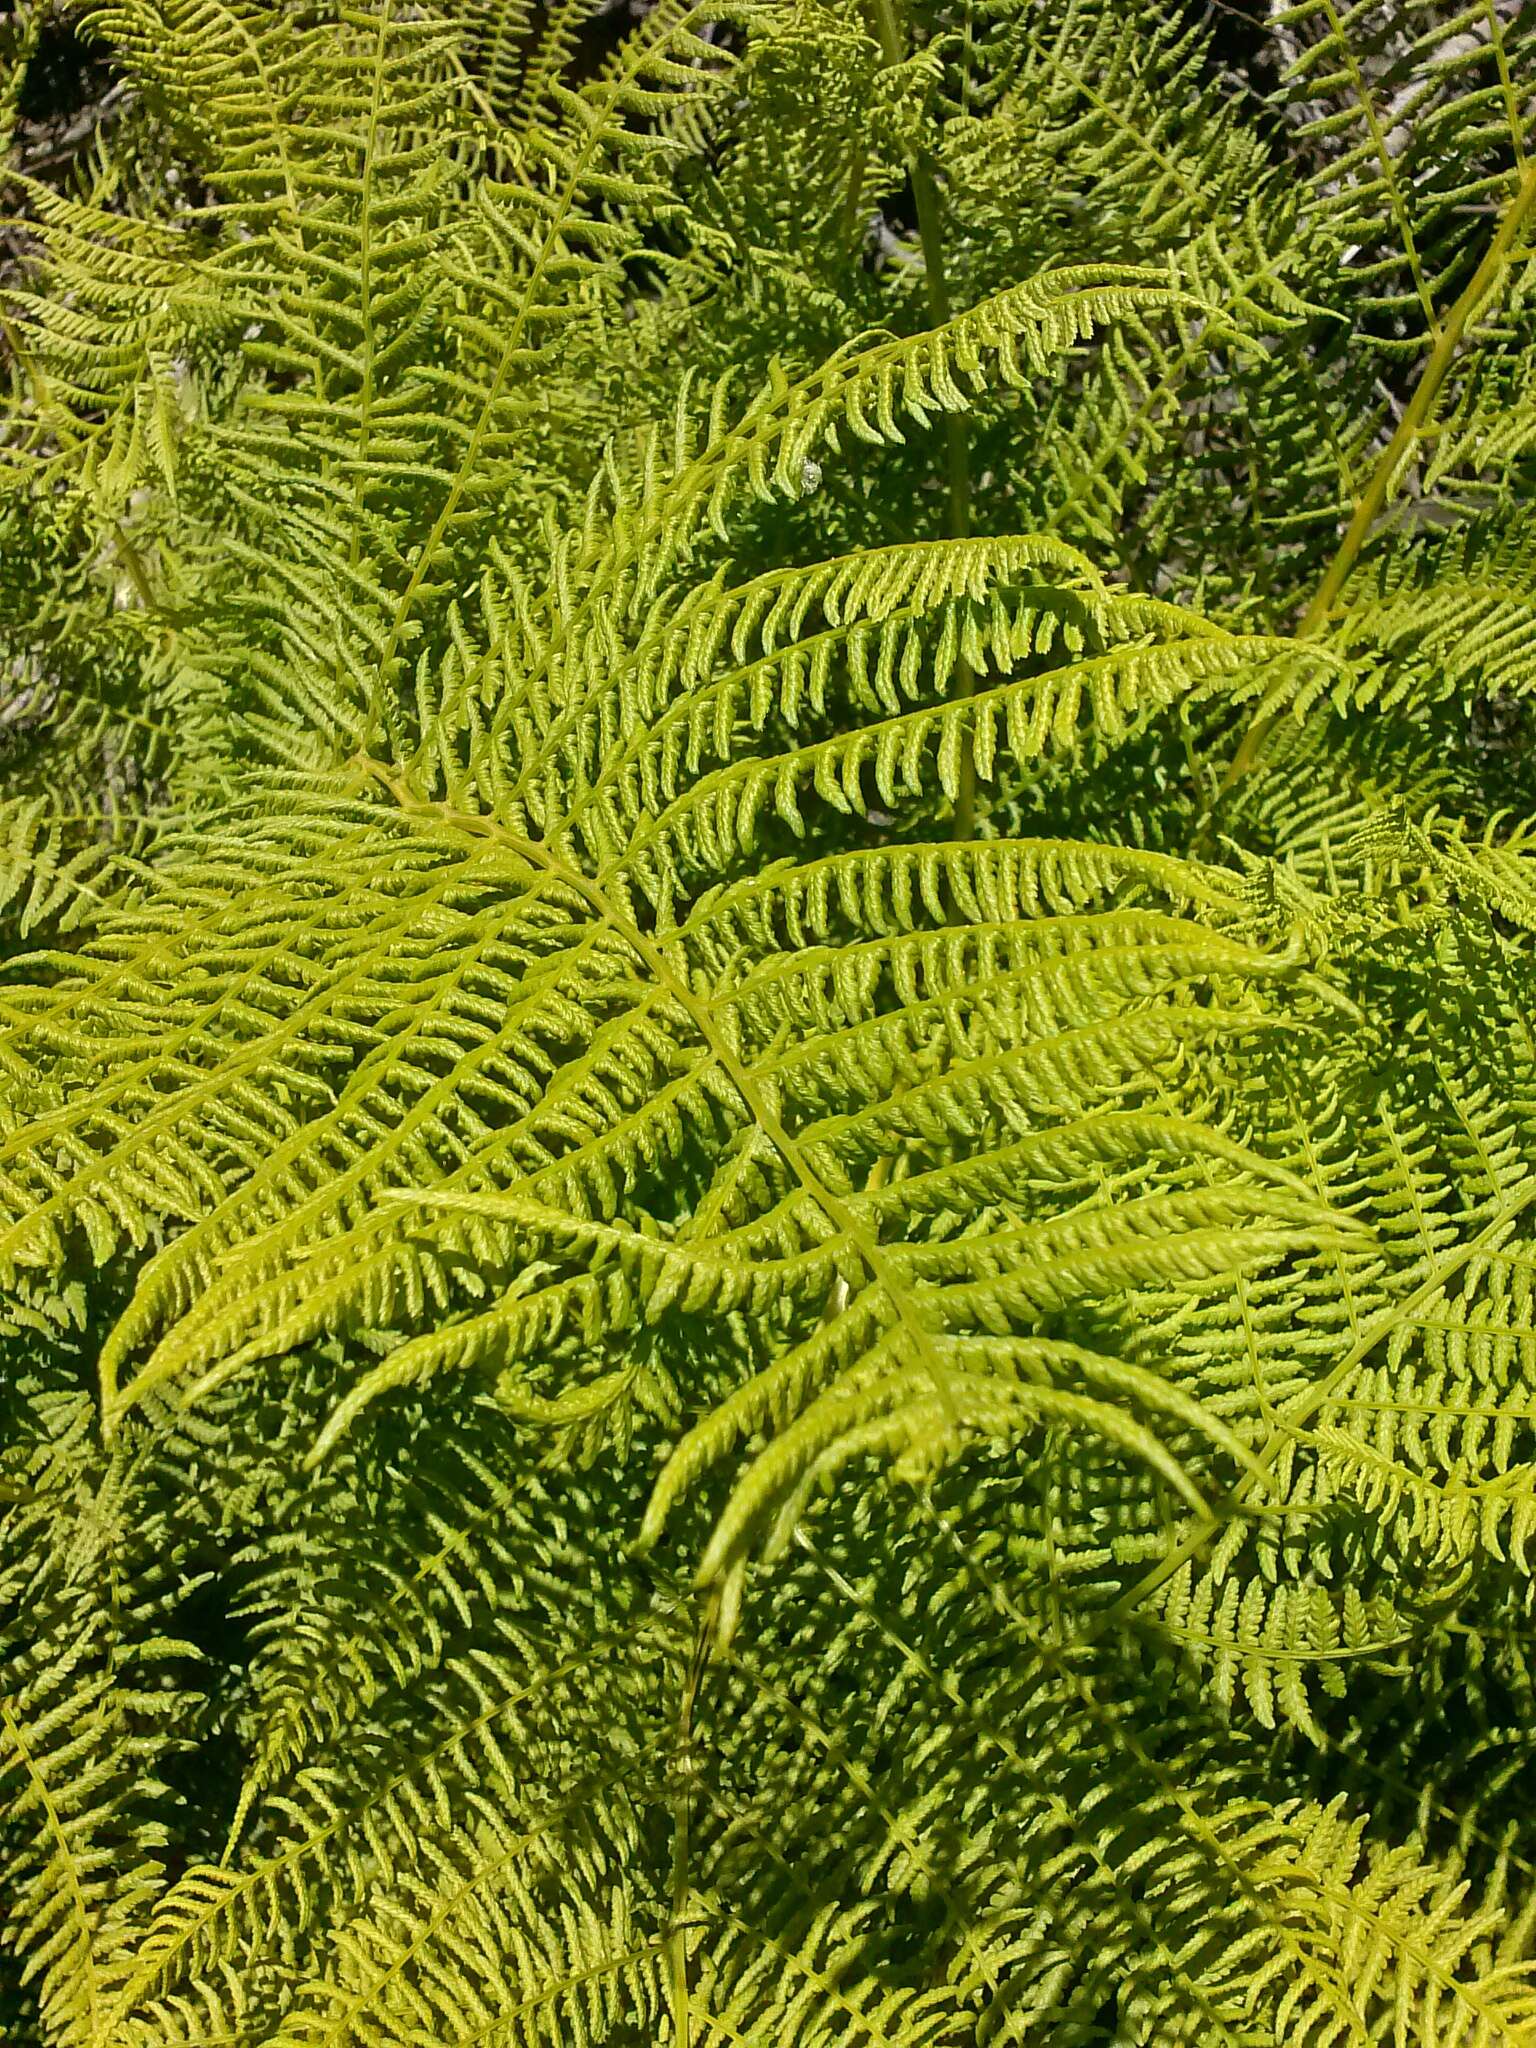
<point x="768" y="1027"/>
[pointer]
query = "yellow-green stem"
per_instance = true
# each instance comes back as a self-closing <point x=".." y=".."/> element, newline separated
<point x="1394" y="457"/>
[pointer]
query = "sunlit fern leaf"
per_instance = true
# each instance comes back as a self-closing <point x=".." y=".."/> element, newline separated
<point x="621" y="1047"/>
<point x="566" y="1054"/>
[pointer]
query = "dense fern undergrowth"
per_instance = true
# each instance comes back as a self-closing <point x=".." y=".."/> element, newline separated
<point x="768" y="1026"/>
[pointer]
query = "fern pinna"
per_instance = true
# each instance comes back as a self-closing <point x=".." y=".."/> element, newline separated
<point x="768" y="1109"/>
